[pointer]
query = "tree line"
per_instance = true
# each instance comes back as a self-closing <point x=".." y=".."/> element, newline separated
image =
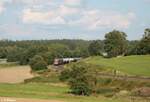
<point x="23" y="51"/>
<point x="114" y="44"/>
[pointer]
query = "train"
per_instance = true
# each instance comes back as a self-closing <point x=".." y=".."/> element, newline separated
<point x="62" y="61"/>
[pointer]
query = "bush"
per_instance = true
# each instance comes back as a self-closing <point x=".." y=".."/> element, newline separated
<point x="80" y="88"/>
<point x="64" y="75"/>
<point x="81" y="78"/>
<point x="37" y="63"/>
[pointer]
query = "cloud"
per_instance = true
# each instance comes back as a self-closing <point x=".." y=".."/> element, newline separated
<point x="28" y="1"/>
<point x="2" y="8"/>
<point x="65" y="13"/>
<point x="72" y="2"/>
<point x="95" y="19"/>
<point x="34" y="2"/>
<point x="53" y="16"/>
<point x="30" y="16"/>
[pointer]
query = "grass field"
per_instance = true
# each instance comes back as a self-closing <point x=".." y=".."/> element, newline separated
<point x="135" y="65"/>
<point x="42" y="91"/>
<point x="51" y="92"/>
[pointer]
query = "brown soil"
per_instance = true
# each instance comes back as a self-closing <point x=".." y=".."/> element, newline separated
<point x="15" y="74"/>
<point x="6" y="99"/>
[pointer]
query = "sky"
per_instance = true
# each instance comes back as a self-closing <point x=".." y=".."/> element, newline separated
<point x="72" y="19"/>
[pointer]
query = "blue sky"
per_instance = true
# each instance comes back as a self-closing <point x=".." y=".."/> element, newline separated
<point x="72" y="19"/>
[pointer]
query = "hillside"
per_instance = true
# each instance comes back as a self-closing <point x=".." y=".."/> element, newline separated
<point x="134" y="65"/>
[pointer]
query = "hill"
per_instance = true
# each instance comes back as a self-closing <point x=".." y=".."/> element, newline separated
<point x="133" y="65"/>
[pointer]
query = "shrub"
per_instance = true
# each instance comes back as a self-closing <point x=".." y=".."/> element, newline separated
<point x="80" y="88"/>
<point x="38" y="63"/>
<point x="80" y="78"/>
<point x="65" y="75"/>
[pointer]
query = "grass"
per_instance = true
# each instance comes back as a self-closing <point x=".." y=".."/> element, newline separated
<point x="45" y="76"/>
<point x="43" y="79"/>
<point x="8" y="64"/>
<point x="134" y="65"/>
<point x="49" y="91"/>
<point x="42" y="91"/>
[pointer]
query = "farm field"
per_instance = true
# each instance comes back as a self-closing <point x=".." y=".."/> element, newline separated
<point x="134" y="65"/>
<point x="14" y="74"/>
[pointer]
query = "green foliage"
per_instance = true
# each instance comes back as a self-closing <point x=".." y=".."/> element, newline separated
<point x="80" y="88"/>
<point x="132" y="47"/>
<point x="144" y="44"/>
<point x="115" y="43"/>
<point x="13" y="53"/>
<point x="65" y="75"/>
<point x="81" y="78"/>
<point x="3" y="52"/>
<point x="95" y="48"/>
<point x="48" y="57"/>
<point x="23" y="51"/>
<point x="38" y="63"/>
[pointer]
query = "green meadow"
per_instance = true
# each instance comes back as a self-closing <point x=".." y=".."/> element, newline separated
<point x="134" y="65"/>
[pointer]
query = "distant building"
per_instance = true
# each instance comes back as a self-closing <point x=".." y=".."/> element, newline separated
<point x="61" y="61"/>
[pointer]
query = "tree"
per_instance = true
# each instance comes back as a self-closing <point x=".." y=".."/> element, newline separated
<point x="38" y="63"/>
<point x="3" y="52"/>
<point x="115" y="43"/>
<point x="132" y="47"/>
<point x="27" y="54"/>
<point x="144" y="44"/>
<point x="81" y="78"/>
<point x="95" y="48"/>
<point x="13" y="53"/>
<point x="49" y="57"/>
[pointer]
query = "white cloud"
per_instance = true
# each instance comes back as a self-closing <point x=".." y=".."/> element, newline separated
<point x="72" y="2"/>
<point x="34" y="2"/>
<point x="50" y="17"/>
<point x="64" y="10"/>
<point x="89" y="18"/>
<point x="28" y="1"/>
<point x="1" y="7"/>
<point x="53" y="16"/>
<point x="95" y="19"/>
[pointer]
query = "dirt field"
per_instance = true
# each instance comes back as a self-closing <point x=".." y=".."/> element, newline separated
<point x="15" y="74"/>
<point x="6" y="99"/>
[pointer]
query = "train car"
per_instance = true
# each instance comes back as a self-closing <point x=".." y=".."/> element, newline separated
<point x="61" y="61"/>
